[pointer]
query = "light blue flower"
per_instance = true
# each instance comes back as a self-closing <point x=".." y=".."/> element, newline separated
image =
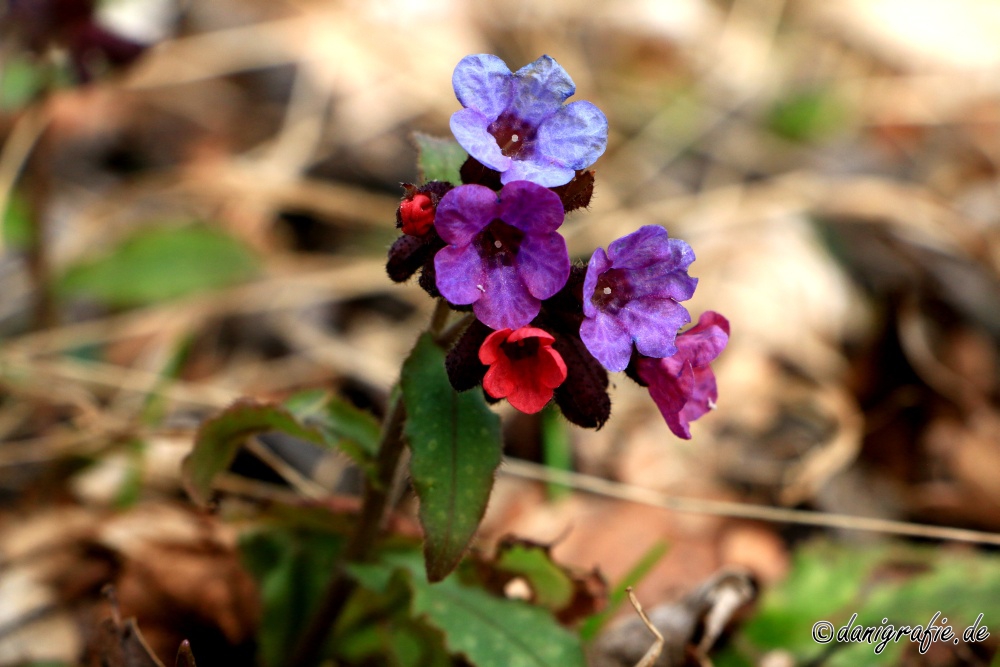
<point x="517" y="124"/>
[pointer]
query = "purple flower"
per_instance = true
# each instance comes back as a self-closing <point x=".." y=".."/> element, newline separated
<point x="517" y="123"/>
<point x="683" y="385"/>
<point x="503" y="254"/>
<point x="631" y="294"/>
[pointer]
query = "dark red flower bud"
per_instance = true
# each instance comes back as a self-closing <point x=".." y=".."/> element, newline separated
<point x="577" y="193"/>
<point x="465" y="371"/>
<point x="583" y="397"/>
<point x="474" y="172"/>
<point x="416" y="214"/>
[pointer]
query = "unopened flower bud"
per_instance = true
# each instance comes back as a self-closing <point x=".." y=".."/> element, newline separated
<point x="416" y="214"/>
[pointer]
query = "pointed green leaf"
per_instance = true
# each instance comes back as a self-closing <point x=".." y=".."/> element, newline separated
<point x="492" y="631"/>
<point x="455" y="441"/>
<point x="220" y="437"/>
<point x="439" y="159"/>
<point x="354" y="431"/>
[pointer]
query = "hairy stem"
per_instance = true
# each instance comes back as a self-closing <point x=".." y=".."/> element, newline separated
<point x="378" y="492"/>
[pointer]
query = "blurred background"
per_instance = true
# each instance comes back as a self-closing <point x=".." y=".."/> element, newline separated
<point x="197" y="198"/>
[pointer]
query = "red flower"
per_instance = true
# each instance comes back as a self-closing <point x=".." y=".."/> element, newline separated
<point x="524" y="368"/>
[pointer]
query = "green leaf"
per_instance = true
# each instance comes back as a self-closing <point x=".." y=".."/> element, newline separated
<point x="354" y="431"/>
<point x="220" y="437"/>
<point x="292" y="569"/>
<point x="905" y="585"/>
<point x="162" y="263"/>
<point x="552" y="586"/>
<point x="439" y="159"/>
<point x="491" y="631"/>
<point x="455" y="441"/>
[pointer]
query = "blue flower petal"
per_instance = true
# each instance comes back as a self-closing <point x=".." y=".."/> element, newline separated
<point x="543" y="264"/>
<point x="653" y="324"/>
<point x="574" y="136"/>
<point x="607" y="340"/>
<point x="484" y="83"/>
<point x="464" y="212"/>
<point x="506" y="302"/>
<point x="459" y="274"/>
<point x="539" y="90"/>
<point x="538" y="171"/>
<point x="469" y="127"/>
<point x="599" y="263"/>
<point x="531" y="207"/>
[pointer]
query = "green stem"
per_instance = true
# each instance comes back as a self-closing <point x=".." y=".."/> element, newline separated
<point x="378" y="492"/>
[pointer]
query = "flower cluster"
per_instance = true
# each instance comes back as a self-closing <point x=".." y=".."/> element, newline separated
<point x="543" y="327"/>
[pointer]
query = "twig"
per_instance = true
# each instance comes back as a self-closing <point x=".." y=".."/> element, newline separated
<point x="635" y="494"/>
<point x="654" y="651"/>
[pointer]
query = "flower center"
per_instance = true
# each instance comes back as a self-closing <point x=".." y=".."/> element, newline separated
<point x="513" y="135"/>
<point x="613" y="291"/>
<point x="498" y="243"/>
<point x="522" y="349"/>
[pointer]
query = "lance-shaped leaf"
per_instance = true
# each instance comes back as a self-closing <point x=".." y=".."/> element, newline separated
<point x="455" y="441"/>
<point x="352" y="430"/>
<point x="439" y="159"/>
<point x="220" y="437"/>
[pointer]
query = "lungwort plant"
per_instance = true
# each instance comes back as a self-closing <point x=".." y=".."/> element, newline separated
<point x="517" y="319"/>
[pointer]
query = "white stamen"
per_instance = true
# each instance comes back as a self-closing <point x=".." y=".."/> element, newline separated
<point x="481" y="289"/>
<point x="607" y="290"/>
<point x="514" y="138"/>
<point x="711" y="404"/>
<point x="497" y="244"/>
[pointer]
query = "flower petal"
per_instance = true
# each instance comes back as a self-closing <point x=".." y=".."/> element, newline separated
<point x="531" y="207"/>
<point x="500" y="380"/>
<point x="607" y="340"/>
<point x="543" y="263"/>
<point x="464" y="212"/>
<point x="574" y="136"/>
<point x="648" y="245"/>
<point x="505" y="302"/>
<point x="705" y="341"/>
<point x="469" y="127"/>
<point x="663" y="280"/>
<point x="551" y="371"/>
<point x="483" y="82"/>
<point x="458" y="272"/>
<point x="537" y="169"/>
<point x="670" y="392"/>
<point x="540" y="89"/>
<point x="653" y="323"/>
<point x="599" y="263"/>
<point x="489" y="352"/>
<point x="529" y="396"/>
<point x="544" y="337"/>
<point x="703" y="395"/>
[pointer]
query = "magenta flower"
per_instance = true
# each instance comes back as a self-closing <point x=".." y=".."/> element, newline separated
<point x="504" y="255"/>
<point x="516" y="123"/>
<point x="631" y="294"/>
<point x="683" y="385"/>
